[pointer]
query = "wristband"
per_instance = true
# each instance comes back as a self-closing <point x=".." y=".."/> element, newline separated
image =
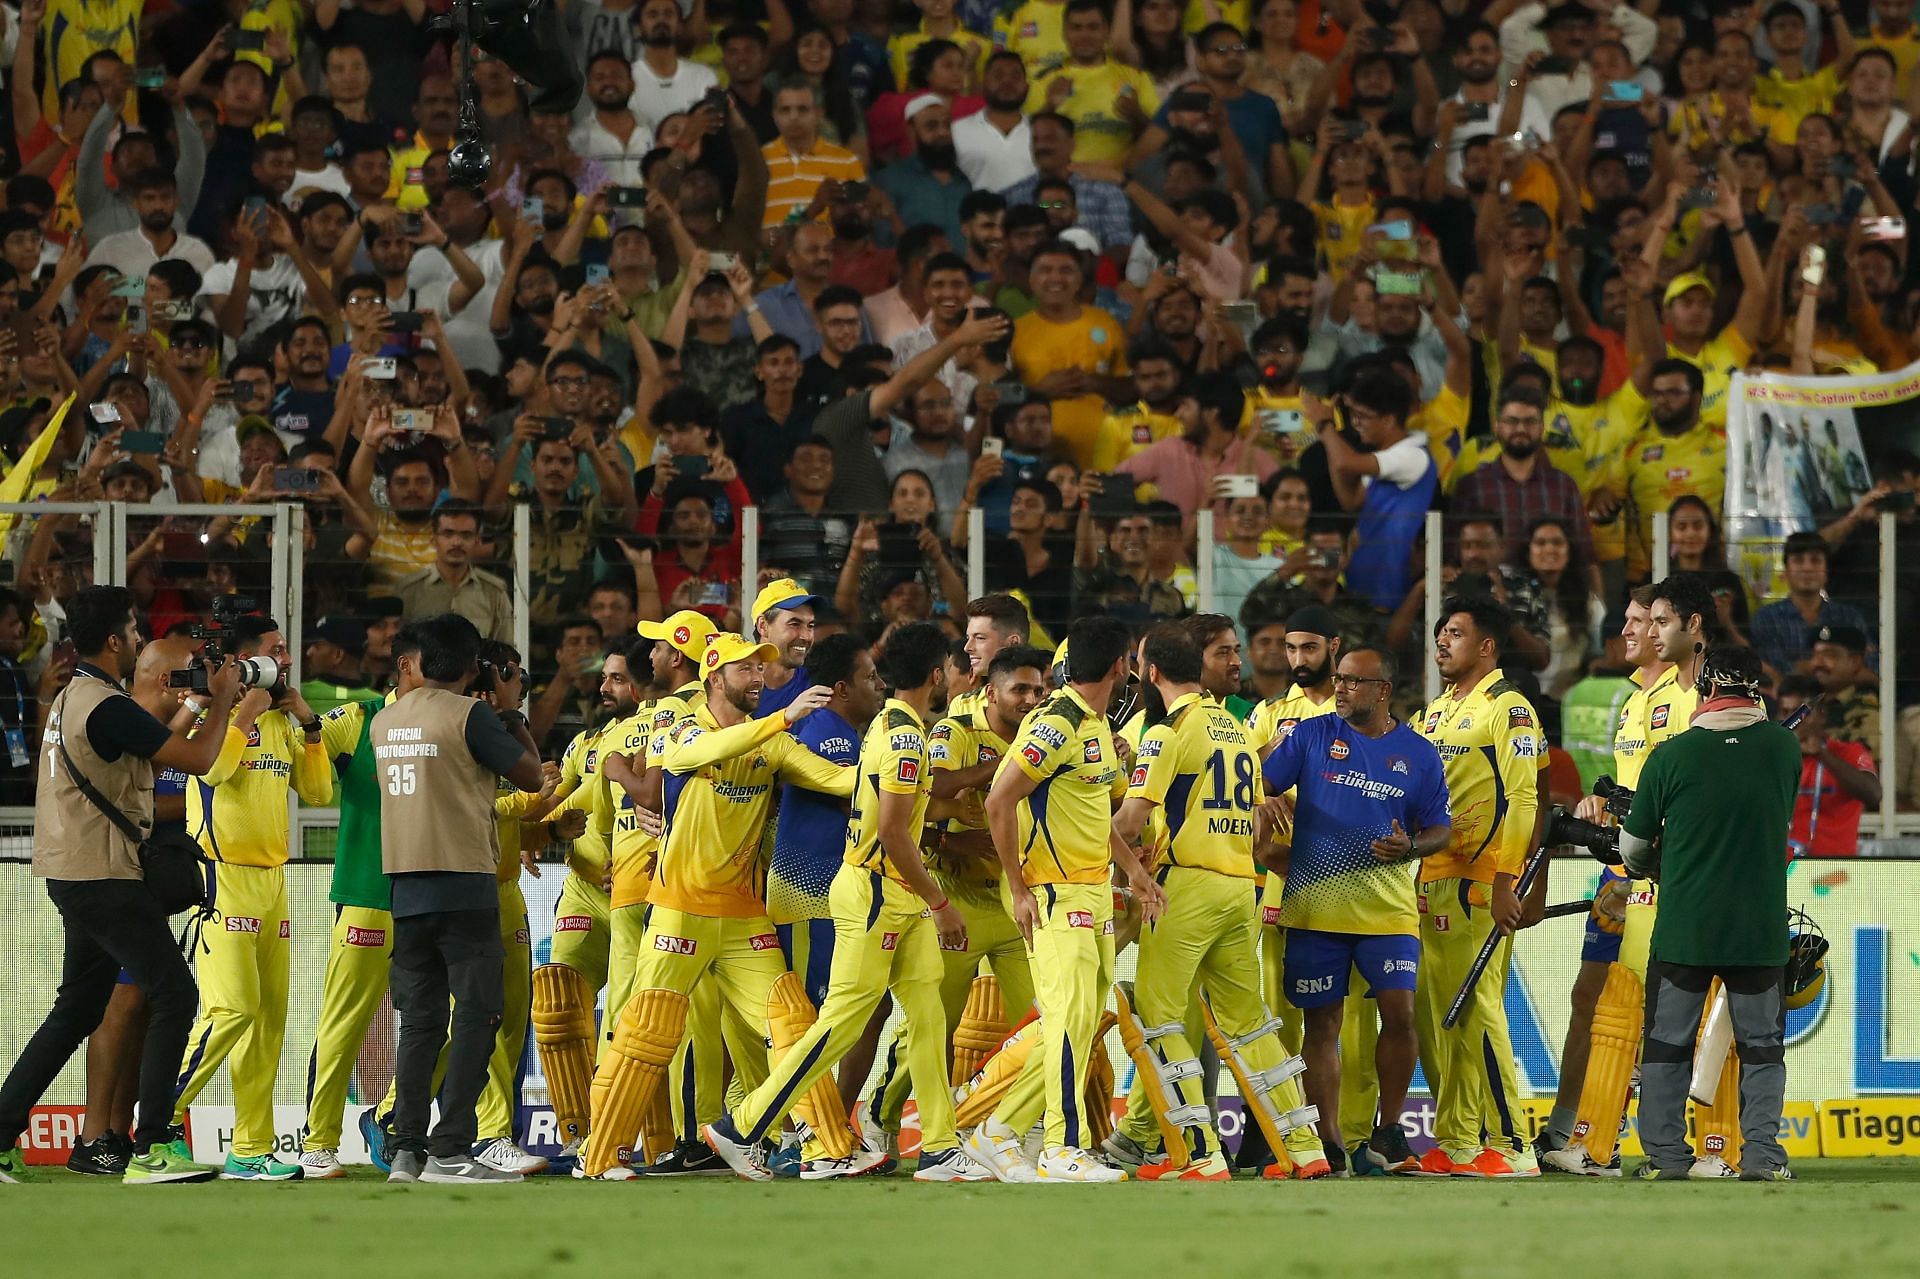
<point x="311" y="726"/>
<point x="1737" y="230"/>
<point x="198" y="708"/>
<point x="937" y="906"/>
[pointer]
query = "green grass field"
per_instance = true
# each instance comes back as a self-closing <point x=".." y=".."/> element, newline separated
<point x="1846" y="1217"/>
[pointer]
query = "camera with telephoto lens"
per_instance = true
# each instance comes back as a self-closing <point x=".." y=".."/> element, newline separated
<point x="215" y="639"/>
<point x="1603" y="842"/>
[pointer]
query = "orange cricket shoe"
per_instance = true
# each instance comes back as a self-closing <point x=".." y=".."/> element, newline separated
<point x="1493" y="1164"/>
<point x="1436" y="1163"/>
<point x="1212" y="1168"/>
<point x="1298" y="1168"/>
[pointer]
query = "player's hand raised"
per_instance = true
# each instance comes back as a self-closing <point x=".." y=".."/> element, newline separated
<point x="807" y="703"/>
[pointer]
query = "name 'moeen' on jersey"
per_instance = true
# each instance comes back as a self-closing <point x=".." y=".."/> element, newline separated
<point x="1197" y="766"/>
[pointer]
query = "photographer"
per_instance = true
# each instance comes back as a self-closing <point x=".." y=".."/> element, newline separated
<point x="94" y="876"/>
<point x="239" y="816"/>
<point x="1718" y="852"/>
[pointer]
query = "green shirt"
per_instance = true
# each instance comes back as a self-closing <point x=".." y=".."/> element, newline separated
<point x="359" y="878"/>
<point x="1589" y="715"/>
<point x="1721" y="801"/>
<point x="324" y="695"/>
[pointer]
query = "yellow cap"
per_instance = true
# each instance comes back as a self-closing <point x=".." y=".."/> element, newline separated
<point x="1058" y="670"/>
<point x="686" y="630"/>
<point x="1684" y="281"/>
<point x="782" y="592"/>
<point x="725" y="648"/>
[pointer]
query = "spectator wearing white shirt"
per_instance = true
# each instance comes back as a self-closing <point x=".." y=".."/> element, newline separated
<point x="612" y="134"/>
<point x="314" y="134"/>
<point x="1566" y="32"/>
<point x="156" y="203"/>
<point x="664" y="83"/>
<point x="463" y="214"/>
<point x="1482" y="97"/>
<point x="993" y="144"/>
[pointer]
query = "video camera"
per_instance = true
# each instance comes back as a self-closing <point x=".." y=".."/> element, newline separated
<point x="215" y="640"/>
<point x="1603" y="842"/>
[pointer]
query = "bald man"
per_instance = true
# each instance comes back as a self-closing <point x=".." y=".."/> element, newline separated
<point x="113" y="1050"/>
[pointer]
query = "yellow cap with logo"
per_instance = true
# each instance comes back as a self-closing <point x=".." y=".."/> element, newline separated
<point x="686" y="630"/>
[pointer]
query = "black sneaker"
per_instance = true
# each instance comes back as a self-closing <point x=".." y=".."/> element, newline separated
<point x="1387" y="1150"/>
<point x="687" y="1159"/>
<point x="1336" y="1157"/>
<point x="105" y="1156"/>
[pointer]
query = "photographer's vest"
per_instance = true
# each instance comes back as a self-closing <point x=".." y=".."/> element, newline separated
<point x="72" y="838"/>
<point x="436" y="799"/>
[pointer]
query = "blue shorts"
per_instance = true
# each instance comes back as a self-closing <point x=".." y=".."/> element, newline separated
<point x="1599" y="945"/>
<point x="1317" y="964"/>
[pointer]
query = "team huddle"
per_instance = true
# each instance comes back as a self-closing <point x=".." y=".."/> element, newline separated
<point x="776" y="842"/>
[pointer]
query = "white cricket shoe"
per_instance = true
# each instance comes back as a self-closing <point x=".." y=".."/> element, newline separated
<point x="952" y="1165"/>
<point x="320" y="1165"/>
<point x="999" y="1153"/>
<point x="1570" y="1159"/>
<point x="1711" y="1168"/>
<point x="858" y="1164"/>
<point x="503" y="1154"/>
<point x="1070" y="1163"/>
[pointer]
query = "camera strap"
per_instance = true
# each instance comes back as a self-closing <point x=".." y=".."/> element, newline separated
<point x="120" y="820"/>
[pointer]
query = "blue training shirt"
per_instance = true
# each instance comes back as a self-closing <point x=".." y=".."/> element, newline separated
<point x="810" y="841"/>
<point x="1351" y="788"/>
<point x="778" y="699"/>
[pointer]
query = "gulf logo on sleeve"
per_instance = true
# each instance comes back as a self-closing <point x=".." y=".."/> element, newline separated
<point x="1339" y="749"/>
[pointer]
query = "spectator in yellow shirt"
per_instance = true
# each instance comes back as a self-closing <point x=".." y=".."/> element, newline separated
<point x="1109" y="103"/>
<point x="1892" y="29"/>
<point x="1072" y="352"/>
<point x="937" y="22"/>
<point x="1790" y="86"/>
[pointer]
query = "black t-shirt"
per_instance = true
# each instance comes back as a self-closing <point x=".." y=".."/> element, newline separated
<point x="395" y="45"/>
<point x="437" y="891"/>
<point x="119" y="725"/>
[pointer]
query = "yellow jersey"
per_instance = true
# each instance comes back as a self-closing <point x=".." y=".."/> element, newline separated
<point x="1197" y="767"/>
<point x="1067" y="749"/>
<point x="238" y="811"/>
<point x="893" y="760"/>
<point x="510" y="807"/>
<point x="1489" y="741"/>
<point x="1656" y="468"/>
<point x="1343" y="230"/>
<point x="71" y="31"/>
<point x="1722" y="357"/>
<point x="1905" y="50"/>
<point x="1798" y="98"/>
<point x="1101" y="135"/>
<point x="957" y="743"/>
<point x="1093" y="342"/>
<point x="1277" y="715"/>
<point x="1153" y="835"/>
<point x="1128" y="430"/>
<point x="1652" y="714"/>
<point x="1035" y="31"/>
<point x="583" y="788"/>
<point x="971" y="702"/>
<point x="719" y="792"/>
<point x="632" y="849"/>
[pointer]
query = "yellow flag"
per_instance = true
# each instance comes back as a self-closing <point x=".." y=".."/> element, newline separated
<point x="19" y="480"/>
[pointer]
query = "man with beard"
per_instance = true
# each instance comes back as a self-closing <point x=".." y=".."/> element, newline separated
<point x="1108" y="102"/>
<point x="1102" y="206"/>
<point x="949" y="292"/>
<point x="788" y="307"/>
<point x="1130" y="428"/>
<point x="155" y="200"/>
<point x="1343" y="913"/>
<point x="993" y="145"/>
<point x="1025" y="229"/>
<point x="402" y="541"/>
<point x="1478" y="108"/>
<point x="1565" y="30"/>
<point x="303" y="404"/>
<point x="1170" y="317"/>
<point x="665" y="83"/>
<point x="783" y="620"/>
<point x="238" y="813"/>
<point x="763" y="432"/>
<point x="109" y="210"/>
<point x="1676" y="453"/>
<point x="267" y="281"/>
<point x="983" y="232"/>
<point x="928" y="186"/>
<point x="744" y="54"/>
<point x="858" y="262"/>
<point x="1521" y="484"/>
<point x="612" y="134"/>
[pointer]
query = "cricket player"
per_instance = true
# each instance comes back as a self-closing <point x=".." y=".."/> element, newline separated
<point x="1196" y="766"/>
<point x="1681" y="621"/>
<point x="809" y="844"/>
<point x="1489" y="740"/>
<point x="994" y="622"/>
<point x="566" y="988"/>
<point x="238" y="814"/>
<point x="1371" y="800"/>
<point x="1050" y="813"/>
<point x="965" y="750"/>
<point x="362" y="947"/>
<point x="783" y="617"/>
<point x="708" y="917"/>
<point x="890" y="920"/>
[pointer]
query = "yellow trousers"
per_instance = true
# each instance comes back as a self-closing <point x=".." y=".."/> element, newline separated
<point x="1072" y="971"/>
<point x="883" y="940"/>
<point x="1470" y="1067"/>
<point x="358" y="960"/>
<point x="242" y="965"/>
<point x="583" y="932"/>
<point x="498" y="1101"/>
